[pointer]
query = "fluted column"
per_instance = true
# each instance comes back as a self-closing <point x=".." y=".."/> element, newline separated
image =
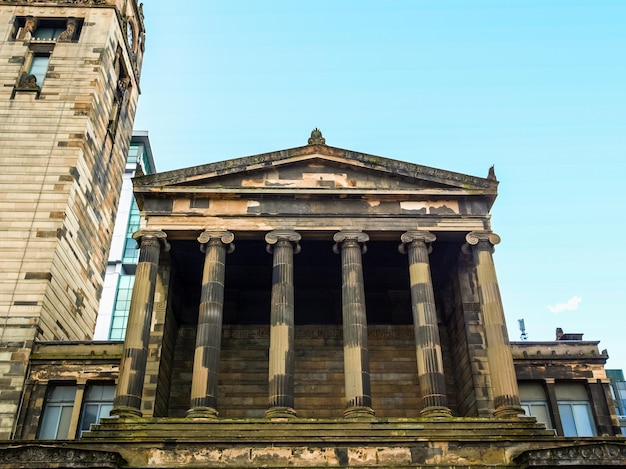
<point x="129" y="389"/>
<point x="206" y="358"/>
<point x="281" y="366"/>
<point x="355" y="354"/>
<point x="499" y="357"/>
<point x="427" y="344"/>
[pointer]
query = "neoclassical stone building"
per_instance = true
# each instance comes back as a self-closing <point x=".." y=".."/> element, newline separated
<point x="317" y="307"/>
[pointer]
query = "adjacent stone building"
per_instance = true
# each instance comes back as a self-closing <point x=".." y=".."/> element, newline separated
<point x="69" y="74"/>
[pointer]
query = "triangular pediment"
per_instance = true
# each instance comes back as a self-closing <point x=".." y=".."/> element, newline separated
<point x="316" y="168"/>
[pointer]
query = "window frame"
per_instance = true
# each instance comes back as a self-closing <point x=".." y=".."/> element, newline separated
<point x="53" y="403"/>
<point x="102" y="404"/>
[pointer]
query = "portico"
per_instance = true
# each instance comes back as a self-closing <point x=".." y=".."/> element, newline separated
<point x="302" y="305"/>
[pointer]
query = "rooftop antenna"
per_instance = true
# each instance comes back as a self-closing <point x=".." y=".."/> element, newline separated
<point x="522" y="329"/>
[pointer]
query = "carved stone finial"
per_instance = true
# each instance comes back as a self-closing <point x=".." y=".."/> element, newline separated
<point x="316" y="137"/>
<point x="492" y="173"/>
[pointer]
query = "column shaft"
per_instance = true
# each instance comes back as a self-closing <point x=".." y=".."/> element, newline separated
<point x="503" y="379"/>
<point x="209" y="332"/>
<point x="356" y="362"/>
<point x="281" y="359"/>
<point x="427" y="343"/>
<point x="129" y="389"/>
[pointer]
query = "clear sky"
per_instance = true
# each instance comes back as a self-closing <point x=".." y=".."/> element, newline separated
<point x="536" y="87"/>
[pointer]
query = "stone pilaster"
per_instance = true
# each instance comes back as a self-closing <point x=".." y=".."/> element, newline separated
<point x="427" y="344"/>
<point x="356" y="362"/>
<point x="281" y="366"/>
<point x="129" y="389"/>
<point x="503" y="380"/>
<point x="209" y="333"/>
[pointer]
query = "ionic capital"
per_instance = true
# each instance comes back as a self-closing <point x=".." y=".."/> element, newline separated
<point x="283" y="235"/>
<point x="474" y="237"/>
<point x="419" y="236"/>
<point x="226" y="237"/>
<point x="350" y="236"/>
<point x="143" y="236"/>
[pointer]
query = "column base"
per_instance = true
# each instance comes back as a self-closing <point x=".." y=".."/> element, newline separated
<point x="509" y="411"/>
<point x="435" y="411"/>
<point x="202" y="413"/>
<point x="358" y="412"/>
<point x="124" y="412"/>
<point x="280" y="413"/>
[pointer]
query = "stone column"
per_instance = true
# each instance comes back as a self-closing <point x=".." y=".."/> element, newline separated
<point x="427" y="344"/>
<point x="503" y="380"/>
<point x="206" y="358"/>
<point x="281" y="367"/>
<point x="129" y="389"/>
<point x="355" y="356"/>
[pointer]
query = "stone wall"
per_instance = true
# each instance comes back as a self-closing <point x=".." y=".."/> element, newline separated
<point x="319" y="378"/>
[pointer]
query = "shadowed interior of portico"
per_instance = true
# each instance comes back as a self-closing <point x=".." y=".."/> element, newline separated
<point x="319" y="380"/>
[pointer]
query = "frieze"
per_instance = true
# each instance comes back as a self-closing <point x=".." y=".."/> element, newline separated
<point x="313" y="332"/>
<point x="584" y="455"/>
<point x="39" y="456"/>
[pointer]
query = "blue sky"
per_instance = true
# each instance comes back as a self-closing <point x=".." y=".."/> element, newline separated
<point x="535" y="87"/>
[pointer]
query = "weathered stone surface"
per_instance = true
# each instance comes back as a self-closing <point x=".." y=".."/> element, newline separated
<point x="61" y="165"/>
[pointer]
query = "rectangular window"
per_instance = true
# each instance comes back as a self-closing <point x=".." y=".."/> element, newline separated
<point x="97" y="403"/>
<point x="39" y="67"/>
<point x="535" y="403"/>
<point x="57" y="413"/>
<point x="576" y="419"/>
<point x="576" y="416"/>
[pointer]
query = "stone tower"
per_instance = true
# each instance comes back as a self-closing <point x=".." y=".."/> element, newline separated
<point x="70" y="83"/>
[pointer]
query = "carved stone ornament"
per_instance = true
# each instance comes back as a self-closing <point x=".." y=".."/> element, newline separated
<point x="418" y="235"/>
<point x="278" y="235"/>
<point x="26" y="32"/>
<point x="316" y="137"/>
<point x="474" y="237"/>
<point x="580" y="455"/>
<point x="159" y="235"/>
<point x="70" y="31"/>
<point x="27" y="82"/>
<point x="42" y="457"/>
<point x="224" y="236"/>
<point x="350" y="235"/>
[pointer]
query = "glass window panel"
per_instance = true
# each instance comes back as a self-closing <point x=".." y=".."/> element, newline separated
<point x="105" y="411"/>
<point x="90" y="415"/>
<point x="577" y="419"/>
<point x="39" y="67"/>
<point x="50" y="423"/>
<point x="540" y="412"/>
<point x="47" y="33"/>
<point x="567" y="420"/>
<point x="64" y="422"/>
<point x="583" y="419"/>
